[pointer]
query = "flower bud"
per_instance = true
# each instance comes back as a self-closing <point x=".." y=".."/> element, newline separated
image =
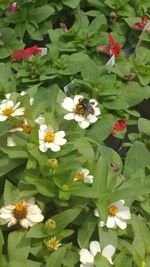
<point x="13" y="7"/>
<point x="50" y="224"/>
<point x="53" y="163"/>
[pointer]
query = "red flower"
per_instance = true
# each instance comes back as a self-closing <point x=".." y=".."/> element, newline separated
<point x="142" y="24"/>
<point x="23" y="54"/>
<point x="119" y="126"/>
<point x="113" y="48"/>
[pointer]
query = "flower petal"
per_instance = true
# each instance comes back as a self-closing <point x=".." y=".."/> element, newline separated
<point x="68" y="104"/>
<point x="84" y="124"/>
<point x="88" y="179"/>
<point x="69" y="116"/>
<point x="108" y="252"/>
<point x="124" y="213"/>
<point x="121" y="223"/>
<point x="95" y="247"/>
<point x="111" y="222"/>
<point x="86" y="257"/>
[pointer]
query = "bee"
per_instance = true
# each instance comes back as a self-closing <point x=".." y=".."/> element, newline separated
<point x="87" y="106"/>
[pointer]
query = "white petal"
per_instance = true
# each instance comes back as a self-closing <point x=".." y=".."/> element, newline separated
<point x="11" y="142"/>
<point x="54" y="147"/>
<point x="23" y="93"/>
<point x="43" y="128"/>
<point x="95" y="247"/>
<point x="97" y="111"/>
<point x="108" y="252"/>
<point x="68" y="104"/>
<point x="79" y="117"/>
<point x="42" y="147"/>
<point x="86" y="257"/>
<point x="92" y="118"/>
<point x="60" y="141"/>
<point x="6" y="216"/>
<point x="101" y="224"/>
<point x="111" y="222"/>
<point x="31" y="101"/>
<point x="3" y="118"/>
<point x="84" y="124"/>
<point x="121" y="223"/>
<point x="60" y="134"/>
<point x="96" y="213"/>
<point x="88" y="179"/>
<point x="17" y="105"/>
<point x="32" y="208"/>
<point x="124" y="213"/>
<point x="25" y="223"/>
<point x="8" y="96"/>
<point x="18" y="112"/>
<point x="13" y="221"/>
<point x="76" y="99"/>
<point x="40" y="120"/>
<point x="69" y="116"/>
<point x="35" y="218"/>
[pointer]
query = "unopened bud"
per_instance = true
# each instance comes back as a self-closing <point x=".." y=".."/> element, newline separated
<point x="113" y="16"/>
<point x="53" y="163"/>
<point x="50" y="224"/>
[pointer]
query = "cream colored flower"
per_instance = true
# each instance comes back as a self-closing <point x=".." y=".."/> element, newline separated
<point x="83" y="175"/>
<point x="25" y="213"/>
<point x="9" y="109"/>
<point x="117" y="215"/>
<point x="48" y="139"/>
<point x="87" y="256"/>
<point x="82" y="110"/>
<point x="53" y="243"/>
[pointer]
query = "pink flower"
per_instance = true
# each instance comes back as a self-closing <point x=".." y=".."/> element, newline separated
<point x="13" y="7"/>
<point x="113" y="48"/>
<point x="23" y="54"/>
<point x="119" y="126"/>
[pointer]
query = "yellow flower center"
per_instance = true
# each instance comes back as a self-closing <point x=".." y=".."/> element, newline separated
<point x="8" y="111"/>
<point x="27" y="128"/>
<point x="112" y="210"/>
<point x="80" y="110"/>
<point x="49" y="137"/>
<point x="20" y="211"/>
<point x="79" y="176"/>
<point x="53" y="243"/>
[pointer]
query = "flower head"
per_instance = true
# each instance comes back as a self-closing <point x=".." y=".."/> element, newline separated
<point x="13" y="7"/>
<point x="117" y="215"/>
<point x="9" y="109"/>
<point x="24" y="127"/>
<point x="24" y="54"/>
<point x="119" y="126"/>
<point x="82" y="110"/>
<point x="83" y="175"/>
<point x="50" y="224"/>
<point x="141" y="25"/>
<point x="26" y="213"/>
<point x="113" y="48"/>
<point x="48" y="139"/>
<point x="53" y="243"/>
<point x="87" y="256"/>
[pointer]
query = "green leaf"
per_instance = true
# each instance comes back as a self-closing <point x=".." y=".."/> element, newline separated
<point x="10" y="193"/>
<point x="7" y="165"/>
<point x="144" y="126"/>
<point x="100" y="175"/>
<point x="85" y="233"/>
<point x="18" y="246"/>
<point x="56" y="258"/>
<point x="71" y="3"/>
<point x="100" y="261"/>
<point x="37" y="231"/>
<point x="42" y="13"/>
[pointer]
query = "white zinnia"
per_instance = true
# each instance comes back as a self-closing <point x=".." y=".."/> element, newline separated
<point x="79" y="113"/>
<point x="83" y="174"/>
<point x="87" y="256"/>
<point x="48" y="139"/>
<point x="9" y="109"/>
<point x="25" y="213"/>
<point x="117" y="215"/>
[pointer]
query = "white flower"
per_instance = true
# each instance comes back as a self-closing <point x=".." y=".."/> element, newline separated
<point x="25" y="213"/>
<point x="8" y="109"/>
<point x="40" y="120"/>
<point x="83" y="174"/>
<point x="117" y="215"/>
<point x="10" y="141"/>
<point x="87" y="256"/>
<point x="82" y="110"/>
<point x="48" y="139"/>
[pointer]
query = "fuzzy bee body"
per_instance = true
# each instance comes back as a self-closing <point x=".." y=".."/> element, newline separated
<point x="87" y="106"/>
